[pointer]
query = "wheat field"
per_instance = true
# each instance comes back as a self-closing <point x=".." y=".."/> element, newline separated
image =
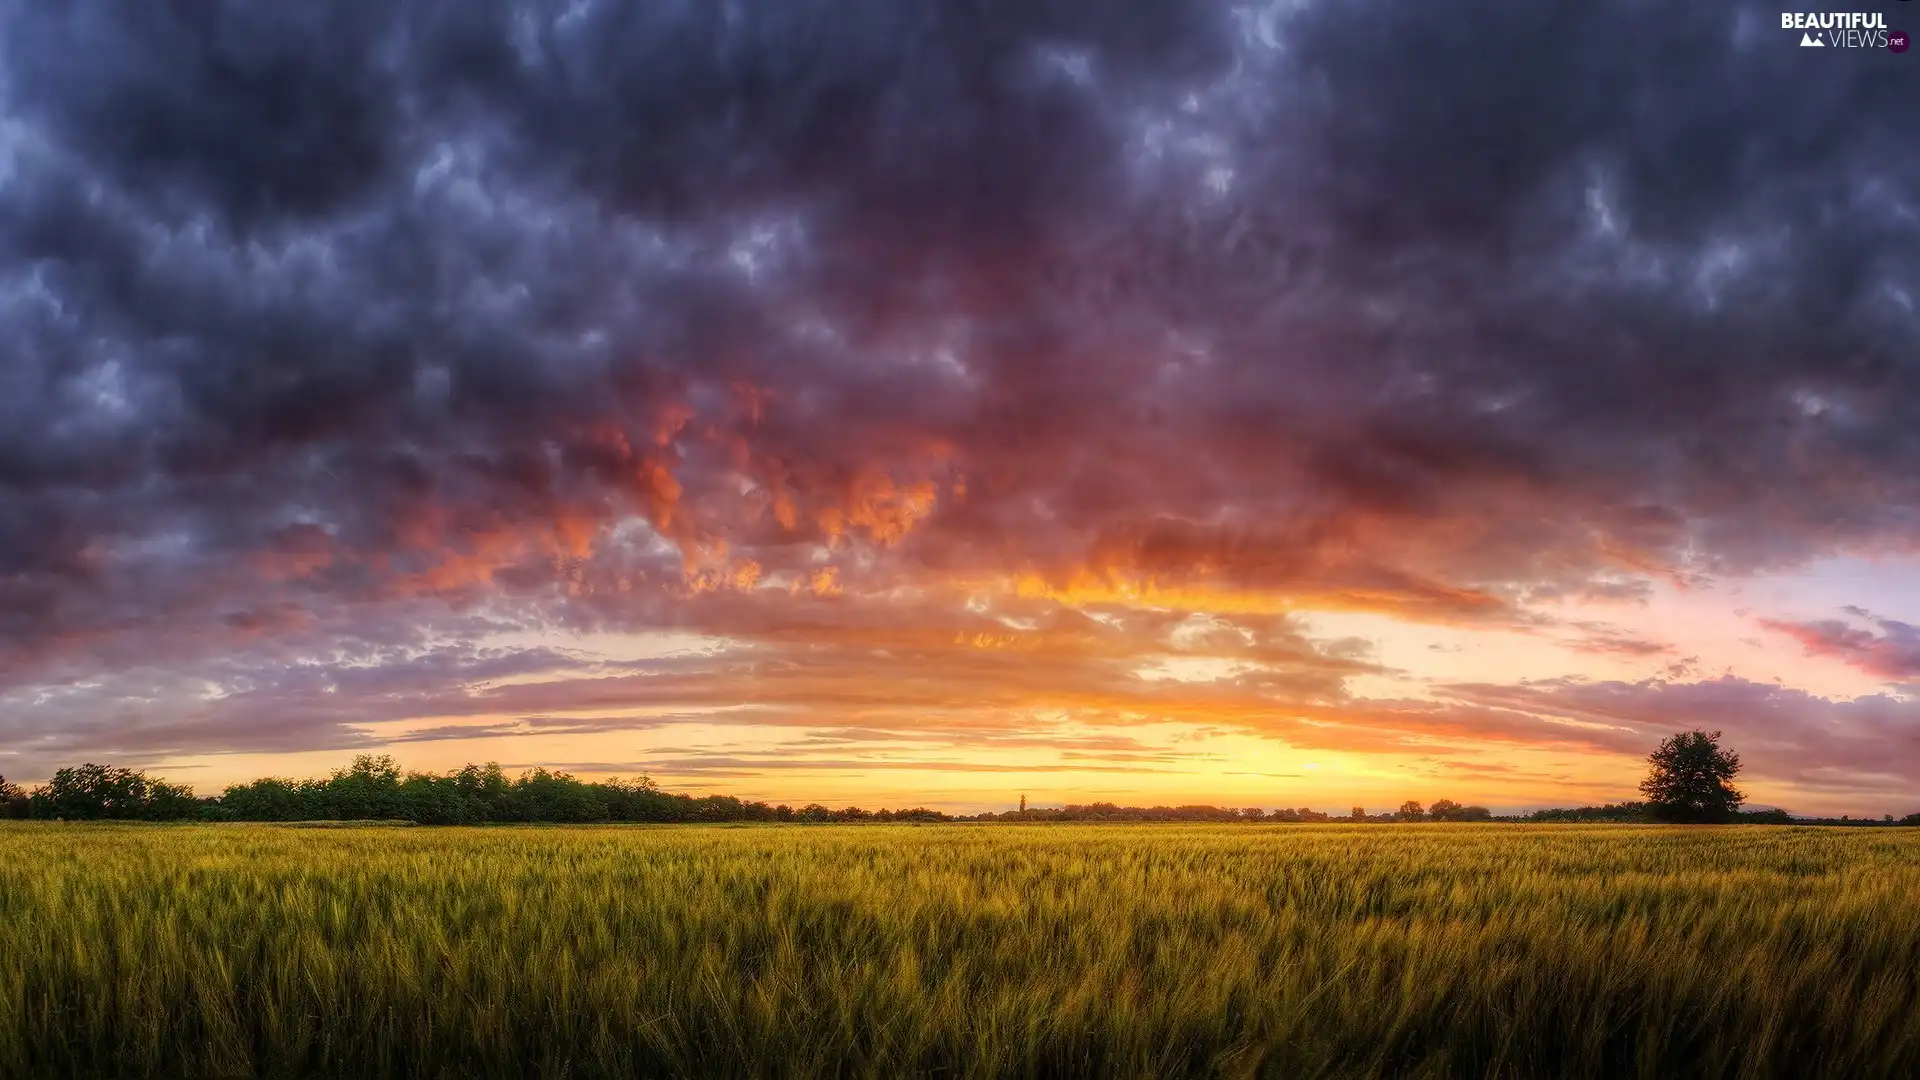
<point x="959" y="951"/>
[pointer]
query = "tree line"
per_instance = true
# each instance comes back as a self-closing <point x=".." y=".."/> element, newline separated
<point x="1690" y="779"/>
<point x="373" y="788"/>
<point x="1644" y="813"/>
<point x="1443" y="810"/>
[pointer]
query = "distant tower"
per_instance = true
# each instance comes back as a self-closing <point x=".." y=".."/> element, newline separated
<point x="1023" y="802"/>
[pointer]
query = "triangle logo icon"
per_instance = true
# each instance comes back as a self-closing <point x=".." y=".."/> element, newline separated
<point x="1809" y="41"/>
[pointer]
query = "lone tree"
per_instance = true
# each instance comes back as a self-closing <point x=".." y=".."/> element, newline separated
<point x="1690" y="778"/>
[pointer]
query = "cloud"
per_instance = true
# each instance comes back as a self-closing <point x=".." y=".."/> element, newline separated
<point x="1890" y="649"/>
<point x="1604" y="639"/>
<point x="751" y="765"/>
<point x="860" y="338"/>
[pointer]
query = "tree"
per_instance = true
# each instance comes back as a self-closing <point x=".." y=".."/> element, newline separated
<point x="1359" y="813"/>
<point x="271" y="799"/>
<point x="101" y="791"/>
<point x="367" y="789"/>
<point x="169" y="802"/>
<point x="93" y="791"/>
<point x="13" y="800"/>
<point x="559" y="796"/>
<point x="1622" y="812"/>
<point x="1411" y="811"/>
<point x="1448" y="810"/>
<point x="1690" y="778"/>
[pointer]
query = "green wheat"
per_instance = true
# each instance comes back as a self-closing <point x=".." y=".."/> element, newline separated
<point x="959" y="951"/>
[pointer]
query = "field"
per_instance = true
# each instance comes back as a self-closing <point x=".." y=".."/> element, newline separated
<point x="1554" y="951"/>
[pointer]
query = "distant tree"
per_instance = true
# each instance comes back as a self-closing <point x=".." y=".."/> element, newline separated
<point x="367" y="789"/>
<point x="378" y="769"/>
<point x="170" y="802"/>
<point x="13" y="800"/>
<point x="485" y="791"/>
<point x="434" y="800"/>
<point x="270" y="799"/>
<point x="1253" y="813"/>
<point x="1621" y="812"/>
<point x="1690" y="778"/>
<point x="1410" y="811"/>
<point x="1448" y="810"/>
<point x="90" y="791"/>
<point x="558" y="796"/>
<point x="1359" y="814"/>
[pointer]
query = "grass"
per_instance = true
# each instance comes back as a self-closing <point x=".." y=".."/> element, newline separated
<point x="961" y="951"/>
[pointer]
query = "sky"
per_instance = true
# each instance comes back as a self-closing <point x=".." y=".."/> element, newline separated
<point x="880" y="403"/>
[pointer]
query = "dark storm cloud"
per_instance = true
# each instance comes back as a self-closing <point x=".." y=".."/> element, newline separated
<point x="327" y="325"/>
<point x="254" y="112"/>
